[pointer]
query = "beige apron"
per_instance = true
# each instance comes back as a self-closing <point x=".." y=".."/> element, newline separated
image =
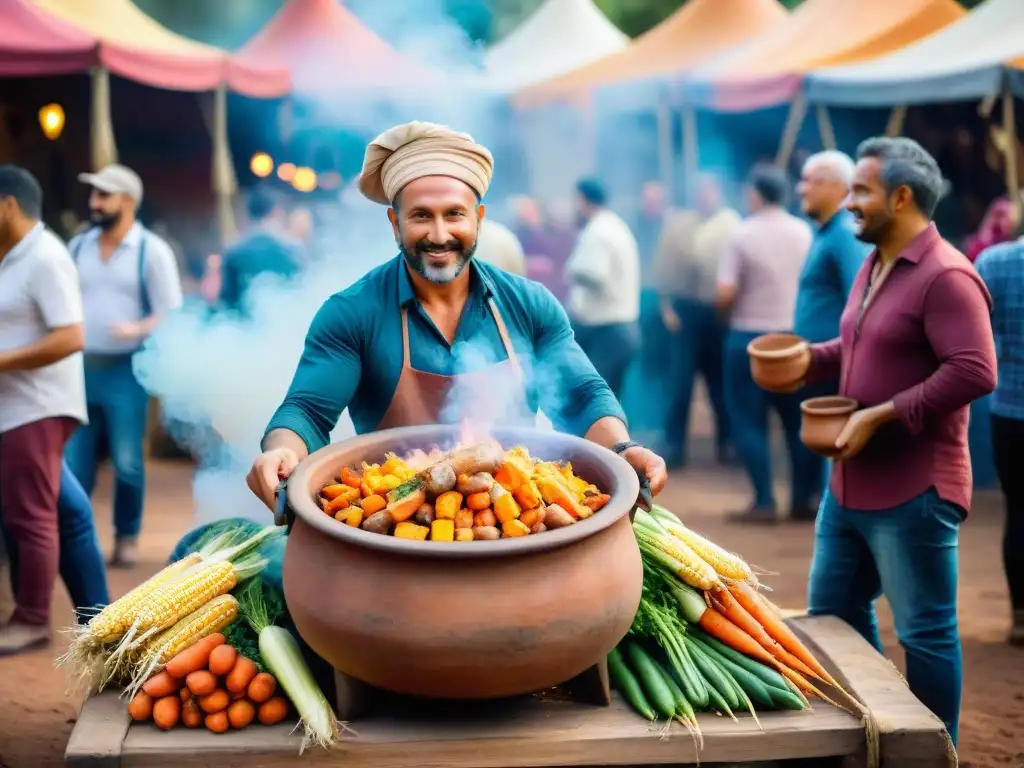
<point x="420" y="397"/>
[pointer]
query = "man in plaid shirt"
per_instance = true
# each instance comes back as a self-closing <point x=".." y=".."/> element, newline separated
<point x="1002" y="269"/>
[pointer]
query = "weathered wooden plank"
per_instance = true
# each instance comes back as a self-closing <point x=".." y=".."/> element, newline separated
<point x="523" y="734"/>
<point x="98" y="734"/>
<point x="910" y="735"/>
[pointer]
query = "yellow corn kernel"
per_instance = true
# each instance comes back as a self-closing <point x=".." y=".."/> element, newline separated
<point x="392" y="464"/>
<point x="112" y="622"/>
<point x="390" y="482"/>
<point x="442" y="530"/>
<point x="513" y="528"/>
<point x="725" y="563"/>
<point x="172" y="602"/>
<point x="215" y="616"/>
<point x="412" y="531"/>
<point x="463" y="534"/>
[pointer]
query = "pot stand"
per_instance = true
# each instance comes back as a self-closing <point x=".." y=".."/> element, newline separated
<point x="354" y="699"/>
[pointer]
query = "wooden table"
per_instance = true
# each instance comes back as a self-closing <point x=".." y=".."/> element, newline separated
<point x="531" y="732"/>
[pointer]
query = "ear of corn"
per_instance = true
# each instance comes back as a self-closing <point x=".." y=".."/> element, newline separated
<point x="725" y="563"/>
<point x="685" y="563"/>
<point x="172" y="602"/>
<point x="215" y="616"/>
<point x="110" y="624"/>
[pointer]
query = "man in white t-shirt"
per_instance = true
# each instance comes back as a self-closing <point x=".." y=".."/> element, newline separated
<point x="498" y="245"/>
<point x="604" y="272"/>
<point x="42" y="397"/>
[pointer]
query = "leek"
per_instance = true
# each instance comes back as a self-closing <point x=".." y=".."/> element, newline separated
<point x="285" y="662"/>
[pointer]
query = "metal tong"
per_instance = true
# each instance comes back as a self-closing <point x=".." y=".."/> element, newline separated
<point x="282" y="512"/>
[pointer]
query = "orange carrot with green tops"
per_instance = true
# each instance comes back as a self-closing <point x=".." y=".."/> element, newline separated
<point x="730" y="607"/>
<point x="761" y="609"/>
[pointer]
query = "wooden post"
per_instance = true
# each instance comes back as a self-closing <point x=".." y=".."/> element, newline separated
<point x="795" y="119"/>
<point x="828" y="134"/>
<point x="1010" y="148"/>
<point x="894" y="127"/>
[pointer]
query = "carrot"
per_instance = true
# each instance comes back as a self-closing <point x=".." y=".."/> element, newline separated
<point x="761" y="609"/>
<point x="331" y="492"/>
<point x="141" y="708"/>
<point x="218" y="722"/>
<point x="478" y="502"/>
<point x="162" y="684"/>
<point x="192" y="714"/>
<point x="222" y="659"/>
<point x="241" y="713"/>
<point x="484" y="518"/>
<point x="262" y="687"/>
<point x="373" y="503"/>
<point x="217" y="701"/>
<point x="201" y="682"/>
<point x="185" y="693"/>
<point x="730" y="607"/>
<point x="350" y="477"/>
<point x="195" y="657"/>
<point x="273" y="711"/>
<point x="241" y="675"/>
<point x="167" y="712"/>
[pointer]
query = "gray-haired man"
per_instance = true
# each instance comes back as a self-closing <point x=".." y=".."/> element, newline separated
<point x="129" y="280"/>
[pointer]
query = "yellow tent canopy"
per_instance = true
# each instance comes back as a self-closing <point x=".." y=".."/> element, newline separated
<point x="699" y="30"/>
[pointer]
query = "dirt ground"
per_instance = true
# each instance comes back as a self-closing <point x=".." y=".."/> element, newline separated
<point x="36" y="717"/>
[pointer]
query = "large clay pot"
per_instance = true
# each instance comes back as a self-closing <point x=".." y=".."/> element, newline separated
<point x="476" y="620"/>
<point x="775" y="360"/>
<point x="822" y="420"/>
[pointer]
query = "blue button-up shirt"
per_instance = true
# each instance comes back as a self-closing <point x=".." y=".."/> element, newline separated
<point x="1002" y="269"/>
<point x="828" y="274"/>
<point x="353" y="353"/>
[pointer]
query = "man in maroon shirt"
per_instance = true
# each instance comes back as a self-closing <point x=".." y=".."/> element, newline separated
<point x="915" y="348"/>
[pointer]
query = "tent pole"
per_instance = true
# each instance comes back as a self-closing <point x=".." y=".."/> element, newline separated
<point x="1010" y="129"/>
<point x="691" y="148"/>
<point x="894" y="127"/>
<point x="665" y="153"/>
<point x="222" y="170"/>
<point x="795" y="119"/>
<point x="103" y="148"/>
<point x="825" y="130"/>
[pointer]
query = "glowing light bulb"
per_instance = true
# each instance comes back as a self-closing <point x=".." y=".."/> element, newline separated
<point x="51" y="120"/>
<point x="261" y="165"/>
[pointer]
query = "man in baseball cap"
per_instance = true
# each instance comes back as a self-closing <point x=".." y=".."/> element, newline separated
<point x="129" y="279"/>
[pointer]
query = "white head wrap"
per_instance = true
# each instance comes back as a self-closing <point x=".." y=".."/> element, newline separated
<point x="414" y="150"/>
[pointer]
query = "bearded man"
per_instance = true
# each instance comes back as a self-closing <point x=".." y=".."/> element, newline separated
<point x="434" y="335"/>
<point x="129" y="279"/>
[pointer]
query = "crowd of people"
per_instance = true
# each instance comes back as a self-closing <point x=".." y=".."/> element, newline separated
<point x="897" y="318"/>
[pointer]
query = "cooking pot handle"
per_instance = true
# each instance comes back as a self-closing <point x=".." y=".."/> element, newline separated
<point x="283" y="513"/>
<point x="645" y="499"/>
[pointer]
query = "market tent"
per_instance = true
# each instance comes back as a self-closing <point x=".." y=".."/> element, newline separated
<point x="964" y="61"/>
<point x="34" y="43"/>
<point x="136" y="47"/>
<point x="558" y="37"/>
<point x="769" y="70"/>
<point x="321" y="41"/>
<point x="699" y="30"/>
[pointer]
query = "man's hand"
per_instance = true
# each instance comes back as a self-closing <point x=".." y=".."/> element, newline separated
<point x="127" y="331"/>
<point x="670" y="317"/>
<point x="269" y="469"/>
<point x="861" y="428"/>
<point x="649" y="464"/>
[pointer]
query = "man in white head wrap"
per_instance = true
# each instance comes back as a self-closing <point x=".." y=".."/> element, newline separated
<point x="433" y="336"/>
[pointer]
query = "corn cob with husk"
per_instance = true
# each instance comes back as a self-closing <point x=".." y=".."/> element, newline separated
<point x="673" y="554"/>
<point x="88" y="659"/>
<point x="726" y="564"/>
<point x="213" y="617"/>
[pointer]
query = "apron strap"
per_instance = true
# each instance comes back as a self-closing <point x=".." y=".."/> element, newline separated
<point x="506" y="340"/>
<point x="406" y="357"/>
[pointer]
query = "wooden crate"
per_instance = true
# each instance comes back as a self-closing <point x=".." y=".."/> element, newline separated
<point x="530" y="732"/>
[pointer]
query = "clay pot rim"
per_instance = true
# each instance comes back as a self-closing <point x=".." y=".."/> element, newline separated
<point x="828" y="405"/>
<point x="796" y="348"/>
<point x="625" y="489"/>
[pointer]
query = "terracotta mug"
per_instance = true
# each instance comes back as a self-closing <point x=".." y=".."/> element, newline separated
<point x="775" y="360"/>
<point x="822" y="420"/>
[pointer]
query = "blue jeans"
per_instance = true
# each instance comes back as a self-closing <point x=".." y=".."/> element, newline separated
<point x="909" y="554"/>
<point x="695" y="349"/>
<point x="81" y="560"/>
<point x="118" y="411"/>
<point x="748" y="406"/>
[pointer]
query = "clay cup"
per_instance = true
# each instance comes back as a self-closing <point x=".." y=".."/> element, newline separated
<point x="822" y="420"/>
<point x="775" y="360"/>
